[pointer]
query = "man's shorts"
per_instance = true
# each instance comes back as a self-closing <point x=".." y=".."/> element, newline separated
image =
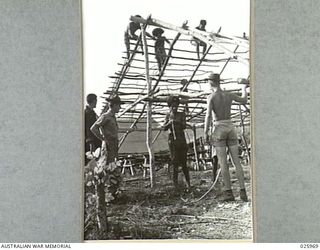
<point x="224" y="134"/>
<point x="178" y="151"/>
<point x="110" y="150"/>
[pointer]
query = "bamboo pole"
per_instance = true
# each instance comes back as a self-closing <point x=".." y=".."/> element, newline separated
<point x="191" y="78"/>
<point x="225" y="65"/>
<point x="194" y="132"/>
<point x="196" y="69"/>
<point x="243" y="133"/>
<point x="182" y="50"/>
<point x="177" y="64"/>
<point x="149" y="109"/>
<point x="126" y="66"/>
<point x="193" y="59"/>
<point x="131" y="127"/>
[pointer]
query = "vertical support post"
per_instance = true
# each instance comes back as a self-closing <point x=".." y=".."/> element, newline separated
<point x="149" y="108"/>
<point x="243" y="134"/>
<point x="195" y="147"/>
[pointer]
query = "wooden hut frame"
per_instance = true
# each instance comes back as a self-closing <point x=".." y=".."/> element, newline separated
<point x="145" y="93"/>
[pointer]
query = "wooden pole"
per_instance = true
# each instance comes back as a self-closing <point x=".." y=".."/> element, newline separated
<point x="126" y="66"/>
<point x="195" y="147"/>
<point x="131" y="127"/>
<point x="243" y="135"/>
<point x="195" y="70"/>
<point x="149" y="108"/>
<point x="225" y="65"/>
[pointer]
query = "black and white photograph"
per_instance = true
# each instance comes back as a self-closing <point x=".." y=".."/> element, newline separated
<point x="167" y="120"/>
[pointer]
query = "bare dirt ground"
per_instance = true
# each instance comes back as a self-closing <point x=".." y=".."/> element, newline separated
<point x="164" y="213"/>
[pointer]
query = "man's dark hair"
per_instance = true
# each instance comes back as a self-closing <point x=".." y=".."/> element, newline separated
<point x="173" y="99"/>
<point x="203" y="22"/>
<point x="91" y="98"/>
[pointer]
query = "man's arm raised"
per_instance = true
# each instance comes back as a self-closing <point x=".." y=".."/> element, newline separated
<point x="244" y="96"/>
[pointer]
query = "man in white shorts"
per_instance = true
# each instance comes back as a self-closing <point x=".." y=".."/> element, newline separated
<point x="224" y="133"/>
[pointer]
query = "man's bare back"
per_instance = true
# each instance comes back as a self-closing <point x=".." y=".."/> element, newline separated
<point x="220" y="102"/>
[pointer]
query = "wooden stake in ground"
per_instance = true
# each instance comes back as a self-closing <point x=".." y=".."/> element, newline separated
<point x="149" y="108"/>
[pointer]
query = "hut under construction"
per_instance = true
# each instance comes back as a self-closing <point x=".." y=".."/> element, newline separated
<point x="145" y="89"/>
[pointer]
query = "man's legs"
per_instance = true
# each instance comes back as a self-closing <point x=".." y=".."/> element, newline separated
<point x="183" y="161"/>
<point x="236" y="162"/>
<point x="222" y="159"/>
<point x="175" y="174"/>
<point x="127" y="43"/>
<point x="173" y="162"/>
<point x="101" y="207"/>
<point x="214" y="167"/>
<point x="159" y="63"/>
<point x="198" y="50"/>
<point x="204" y="48"/>
<point x="185" y="171"/>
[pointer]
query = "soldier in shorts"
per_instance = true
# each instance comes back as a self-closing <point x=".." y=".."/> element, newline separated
<point x="224" y="133"/>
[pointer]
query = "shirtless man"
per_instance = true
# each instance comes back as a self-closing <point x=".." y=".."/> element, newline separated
<point x="106" y="129"/>
<point x="159" y="47"/>
<point x="130" y="33"/>
<point x="202" y="27"/>
<point x="224" y="133"/>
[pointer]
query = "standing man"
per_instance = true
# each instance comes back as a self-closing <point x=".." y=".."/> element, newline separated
<point x="175" y="122"/>
<point x="106" y="129"/>
<point x="224" y="133"/>
<point x="91" y="141"/>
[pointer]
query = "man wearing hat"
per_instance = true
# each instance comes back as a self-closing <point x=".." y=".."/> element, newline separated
<point x="175" y="122"/>
<point x="224" y="133"/>
<point x="106" y="129"/>
<point x="159" y="49"/>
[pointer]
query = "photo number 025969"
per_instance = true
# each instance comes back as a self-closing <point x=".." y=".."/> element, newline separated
<point x="167" y="120"/>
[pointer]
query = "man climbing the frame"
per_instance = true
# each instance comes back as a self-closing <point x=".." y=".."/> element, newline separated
<point x="106" y="129"/>
<point x="199" y="43"/>
<point x="224" y="133"/>
<point x="130" y="33"/>
<point x="159" y="47"/>
<point x="176" y="122"/>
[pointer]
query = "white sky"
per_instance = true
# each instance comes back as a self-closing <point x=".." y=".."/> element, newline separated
<point x="104" y="23"/>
